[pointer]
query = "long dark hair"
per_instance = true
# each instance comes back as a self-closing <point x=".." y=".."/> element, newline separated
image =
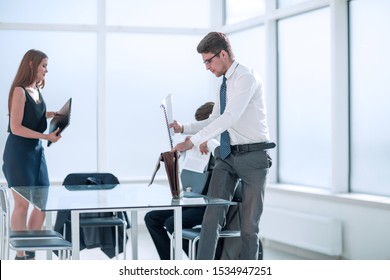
<point x="27" y="72"/>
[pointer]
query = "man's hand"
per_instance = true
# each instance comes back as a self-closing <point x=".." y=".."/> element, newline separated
<point x="177" y="127"/>
<point x="203" y="148"/>
<point x="183" y="146"/>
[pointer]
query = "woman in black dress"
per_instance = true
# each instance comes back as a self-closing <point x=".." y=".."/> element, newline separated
<point x="24" y="158"/>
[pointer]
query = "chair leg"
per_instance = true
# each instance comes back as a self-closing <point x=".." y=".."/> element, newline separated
<point x="65" y="254"/>
<point x="190" y="250"/>
<point x="6" y="248"/>
<point x="172" y="251"/>
<point x="64" y="231"/>
<point x="2" y="245"/>
<point x="116" y="242"/>
<point x="193" y="248"/>
<point x="124" y="240"/>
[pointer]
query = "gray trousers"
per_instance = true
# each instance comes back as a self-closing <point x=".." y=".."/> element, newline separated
<point x="252" y="168"/>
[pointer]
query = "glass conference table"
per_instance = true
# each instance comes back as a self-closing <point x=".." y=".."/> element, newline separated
<point x="107" y="198"/>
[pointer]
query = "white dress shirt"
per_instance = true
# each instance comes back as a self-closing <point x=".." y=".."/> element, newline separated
<point x="245" y="113"/>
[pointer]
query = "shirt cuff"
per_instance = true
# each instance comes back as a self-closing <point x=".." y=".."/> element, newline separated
<point x="212" y="144"/>
<point x="195" y="139"/>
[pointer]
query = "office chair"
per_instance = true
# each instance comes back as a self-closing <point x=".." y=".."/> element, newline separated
<point x="194" y="183"/>
<point x="98" y="220"/>
<point x="193" y="234"/>
<point x="28" y="240"/>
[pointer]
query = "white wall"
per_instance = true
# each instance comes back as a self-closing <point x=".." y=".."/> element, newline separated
<point x="365" y="219"/>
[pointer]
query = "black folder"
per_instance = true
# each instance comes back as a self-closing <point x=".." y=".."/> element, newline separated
<point x="61" y="119"/>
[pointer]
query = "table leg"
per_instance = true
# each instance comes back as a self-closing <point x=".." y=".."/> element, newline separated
<point x="134" y="234"/>
<point x="49" y="225"/>
<point x="75" y="218"/>
<point x="178" y="248"/>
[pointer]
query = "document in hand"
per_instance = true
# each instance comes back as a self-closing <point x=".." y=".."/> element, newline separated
<point x="195" y="161"/>
<point x="61" y="119"/>
<point x="166" y="105"/>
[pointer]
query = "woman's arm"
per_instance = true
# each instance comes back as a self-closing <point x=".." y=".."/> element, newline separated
<point x="16" y="118"/>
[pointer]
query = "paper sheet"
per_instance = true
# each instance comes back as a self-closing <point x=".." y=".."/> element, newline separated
<point x="195" y="161"/>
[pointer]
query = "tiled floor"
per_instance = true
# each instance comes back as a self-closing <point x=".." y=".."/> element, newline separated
<point x="147" y="251"/>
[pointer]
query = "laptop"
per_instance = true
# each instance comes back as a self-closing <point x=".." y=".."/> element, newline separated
<point x="61" y="120"/>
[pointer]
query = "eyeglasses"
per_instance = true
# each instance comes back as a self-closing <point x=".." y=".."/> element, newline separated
<point x="208" y="61"/>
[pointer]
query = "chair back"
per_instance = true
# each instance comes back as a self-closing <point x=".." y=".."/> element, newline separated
<point x="93" y="178"/>
<point x="97" y="228"/>
<point x="4" y="203"/>
<point x="5" y="221"/>
<point x="194" y="181"/>
<point x="2" y="199"/>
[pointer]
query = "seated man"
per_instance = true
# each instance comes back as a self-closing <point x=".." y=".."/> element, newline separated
<point x="158" y="222"/>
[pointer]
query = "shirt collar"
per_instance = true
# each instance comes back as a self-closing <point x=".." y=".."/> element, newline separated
<point x="231" y="69"/>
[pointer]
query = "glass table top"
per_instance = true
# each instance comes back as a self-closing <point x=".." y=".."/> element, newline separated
<point x="121" y="196"/>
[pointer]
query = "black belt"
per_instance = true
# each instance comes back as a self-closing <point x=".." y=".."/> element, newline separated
<point x="253" y="147"/>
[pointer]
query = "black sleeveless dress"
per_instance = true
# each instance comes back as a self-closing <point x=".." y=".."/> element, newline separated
<point x="24" y="162"/>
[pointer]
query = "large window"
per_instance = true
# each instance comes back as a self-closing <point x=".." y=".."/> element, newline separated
<point x="288" y="3"/>
<point x="240" y="10"/>
<point x="44" y="11"/>
<point x="370" y="96"/>
<point x="157" y="13"/>
<point x="141" y="70"/>
<point x="116" y="78"/>
<point x="304" y="99"/>
<point x="251" y="55"/>
<point x="72" y="73"/>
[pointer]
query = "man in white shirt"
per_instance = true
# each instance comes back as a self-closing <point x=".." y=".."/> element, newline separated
<point x="244" y="119"/>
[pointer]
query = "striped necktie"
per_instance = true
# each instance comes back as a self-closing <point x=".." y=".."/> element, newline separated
<point x="225" y="138"/>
